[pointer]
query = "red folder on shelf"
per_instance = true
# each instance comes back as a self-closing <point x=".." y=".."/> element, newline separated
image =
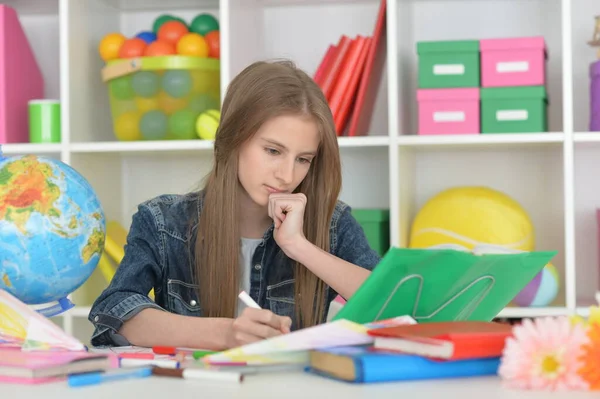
<point x="333" y="71"/>
<point x="371" y="77"/>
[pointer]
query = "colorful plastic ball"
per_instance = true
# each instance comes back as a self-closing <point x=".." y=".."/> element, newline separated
<point x="170" y="104"/>
<point x="192" y="44"/>
<point x="145" y="83"/>
<point x="147" y="36"/>
<point x="182" y="124"/>
<point x="110" y="45"/>
<point x="177" y="83"/>
<point x="121" y="88"/>
<point x="201" y="102"/>
<point x="153" y="125"/>
<point x="127" y="126"/>
<point x="207" y="124"/>
<point x="132" y="48"/>
<point x="213" y="40"/>
<point x="172" y="31"/>
<point x="159" y="48"/>
<point x="204" y="23"/>
<point x="540" y="291"/>
<point x="161" y="19"/>
<point x="145" y="104"/>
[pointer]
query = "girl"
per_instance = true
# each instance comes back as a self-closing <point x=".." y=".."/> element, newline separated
<point x="268" y="221"/>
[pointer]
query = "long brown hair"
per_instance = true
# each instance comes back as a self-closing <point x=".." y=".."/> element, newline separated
<point x="261" y="91"/>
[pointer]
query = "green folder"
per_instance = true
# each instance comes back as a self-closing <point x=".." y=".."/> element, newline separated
<point x="433" y="285"/>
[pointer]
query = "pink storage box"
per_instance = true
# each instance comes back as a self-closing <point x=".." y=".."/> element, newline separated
<point x="513" y="62"/>
<point x="20" y="78"/>
<point x="448" y="111"/>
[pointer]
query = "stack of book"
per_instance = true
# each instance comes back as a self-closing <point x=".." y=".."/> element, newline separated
<point x="349" y="75"/>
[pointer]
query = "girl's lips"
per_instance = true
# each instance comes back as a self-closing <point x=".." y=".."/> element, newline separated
<point x="273" y="190"/>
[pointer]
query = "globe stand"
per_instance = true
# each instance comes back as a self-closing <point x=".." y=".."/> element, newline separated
<point x="53" y="308"/>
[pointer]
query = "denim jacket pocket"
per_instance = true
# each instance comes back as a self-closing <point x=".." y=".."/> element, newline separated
<point x="281" y="298"/>
<point x="183" y="298"/>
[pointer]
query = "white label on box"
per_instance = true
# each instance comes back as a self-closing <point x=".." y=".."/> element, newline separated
<point x="449" y="69"/>
<point x="514" y="66"/>
<point x="512" y="115"/>
<point x="449" y="116"/>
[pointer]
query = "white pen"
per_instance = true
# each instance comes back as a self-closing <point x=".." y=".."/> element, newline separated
<point x="247" y="299"/>
<point x="165" y="363"/>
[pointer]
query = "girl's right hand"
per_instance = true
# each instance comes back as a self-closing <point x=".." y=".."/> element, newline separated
<point x="255" y="325"/>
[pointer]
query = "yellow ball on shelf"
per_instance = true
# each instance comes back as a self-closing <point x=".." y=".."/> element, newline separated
<point x="207" y="124"/>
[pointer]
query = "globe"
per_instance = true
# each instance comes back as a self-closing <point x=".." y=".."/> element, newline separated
<point x="52" y="229"/>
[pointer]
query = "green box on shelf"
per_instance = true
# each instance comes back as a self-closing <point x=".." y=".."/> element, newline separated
<point x="376" y="225"/>
<point x="448" y="64"/>
<point x="514" y="109"/>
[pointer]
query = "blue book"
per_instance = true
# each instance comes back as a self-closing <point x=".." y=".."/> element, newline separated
<point x="362" y="365"/>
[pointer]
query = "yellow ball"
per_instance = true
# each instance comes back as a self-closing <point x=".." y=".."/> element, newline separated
<point x="207" y="124"/>
<point x="110" y="45"/>
<point x="469" y="216"/>
<point x="145" y="104"/>
<point x="192" y="44"/>
<point x="127" y="126"/>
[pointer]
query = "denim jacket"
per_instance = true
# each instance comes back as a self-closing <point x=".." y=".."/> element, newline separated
<point x="159" y="256"/>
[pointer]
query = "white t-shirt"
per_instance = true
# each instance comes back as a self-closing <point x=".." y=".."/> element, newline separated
<point x="247" y="249"/>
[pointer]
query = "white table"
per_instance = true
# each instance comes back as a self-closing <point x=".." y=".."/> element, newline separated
<point x="282" y="385"/>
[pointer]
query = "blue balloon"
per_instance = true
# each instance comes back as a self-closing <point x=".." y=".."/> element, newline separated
<point x="147" y="36"/>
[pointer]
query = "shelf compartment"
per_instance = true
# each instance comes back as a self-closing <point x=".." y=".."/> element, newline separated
<point x="532" y="176"/>
<point x="423" y="21"/>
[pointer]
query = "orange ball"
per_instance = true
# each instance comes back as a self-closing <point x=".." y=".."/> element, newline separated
<point x="192" y="44"/>
<point x="132" y="48"/>
<point x="159" y="48"/>
<point x="172" y="31"/>
<point x="213" y="40"/>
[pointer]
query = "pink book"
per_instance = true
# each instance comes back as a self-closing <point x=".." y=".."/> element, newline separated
<point x="17" y="366"/>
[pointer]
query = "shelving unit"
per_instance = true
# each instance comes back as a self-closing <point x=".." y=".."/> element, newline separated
<point x="551" y="174"/>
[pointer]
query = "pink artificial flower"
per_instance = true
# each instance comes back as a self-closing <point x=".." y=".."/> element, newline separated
<point x="545" y="354"/>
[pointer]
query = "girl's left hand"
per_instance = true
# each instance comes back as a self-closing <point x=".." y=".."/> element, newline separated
<point x="287" y="212"/>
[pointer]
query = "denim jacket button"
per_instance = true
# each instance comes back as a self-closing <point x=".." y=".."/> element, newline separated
<point x="258" y="266"/>
<point x="193" y="302"/>
<point x="96" y="319"/>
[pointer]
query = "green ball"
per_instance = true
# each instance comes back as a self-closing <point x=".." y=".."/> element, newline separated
<point x="182" y="124"/>
<point x="121" y="88"/>
<point x="177" y="82"/>
<point x="203" y="24"/>
<point x="201" y="102"/>
<point x="161" y="20"/>
<point x="145" y="83"/>
<point x="153" y="125"/>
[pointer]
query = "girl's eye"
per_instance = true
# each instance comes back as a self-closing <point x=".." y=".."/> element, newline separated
<point x="271" y="151"/>
<point x="304" y="160"/>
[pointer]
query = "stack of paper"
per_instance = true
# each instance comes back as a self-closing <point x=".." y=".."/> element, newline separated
<point x="22" y="327"/>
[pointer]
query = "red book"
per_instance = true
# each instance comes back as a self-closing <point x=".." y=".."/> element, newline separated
<point x="325" y="64"/>
<point x="349" y="65"/>
<point x="342" y="114"/>
<point x="445" y="340"/>
<point x="331" y="75"/>
<point x="371" y="77"/>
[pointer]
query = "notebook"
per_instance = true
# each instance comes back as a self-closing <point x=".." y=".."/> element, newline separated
<point x="434" y="285"/>
<point x="22" y="327"/>
<point x="32" y="367"/>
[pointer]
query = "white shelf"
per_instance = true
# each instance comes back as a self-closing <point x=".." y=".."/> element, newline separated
<point x="552" y="174"/>
<point x="31" y="148"/>
<point x="493" y="140"/>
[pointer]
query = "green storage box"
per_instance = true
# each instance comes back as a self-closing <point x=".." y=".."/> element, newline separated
<point x="448" y="64"/>
<point x="376" y="225"/>
<point x="514" y="109"/>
